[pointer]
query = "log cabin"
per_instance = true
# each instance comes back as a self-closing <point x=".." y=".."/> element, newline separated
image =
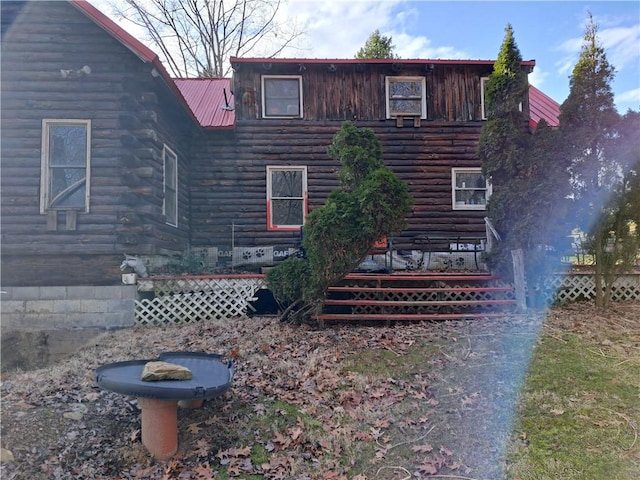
<point x="105" y="155"/>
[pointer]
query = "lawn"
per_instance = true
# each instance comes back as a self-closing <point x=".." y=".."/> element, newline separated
<point x="428" y="400"/>
<point x="580" y="407"/>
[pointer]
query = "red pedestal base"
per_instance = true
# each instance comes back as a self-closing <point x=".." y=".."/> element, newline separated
<point x="159" y="427"/>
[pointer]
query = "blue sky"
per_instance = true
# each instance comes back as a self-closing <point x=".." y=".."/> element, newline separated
<point x="549" y="32"/>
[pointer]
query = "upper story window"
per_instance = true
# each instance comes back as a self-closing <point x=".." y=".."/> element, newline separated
<point x="406" y="96"/>
<point x="286" y="197"/>
<point x="281" y="96"/>
<point x="470" y="189"/>
<point x="66" y="165"/>
<point x="170" y="203"/>
<point x="483" y="86"/>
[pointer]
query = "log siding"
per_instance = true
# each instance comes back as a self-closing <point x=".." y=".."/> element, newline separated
<point x="132" y="114"/>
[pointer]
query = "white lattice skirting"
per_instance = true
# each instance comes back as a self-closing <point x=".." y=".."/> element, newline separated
<point x="176" y="300"/>
<point x="567" y="288"/>
<point x="182" y="300"/>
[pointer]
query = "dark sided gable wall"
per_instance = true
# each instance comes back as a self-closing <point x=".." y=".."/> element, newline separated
<point x="228" y="185"/>
<point x="133" y="114"/>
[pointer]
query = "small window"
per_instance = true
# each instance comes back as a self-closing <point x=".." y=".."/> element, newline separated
<point x="65" y="169"/>
<point x="170" y="204"/>
<point x="471" y="190"/>
<point x="282" y="96"/>
<point x="483" y="86"/>
<point x="286" y="197"/>
<point x="406" y="97"/>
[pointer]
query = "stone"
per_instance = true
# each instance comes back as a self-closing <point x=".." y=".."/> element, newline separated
<point x="6" y="456"/>
<point x="156" y="371"/>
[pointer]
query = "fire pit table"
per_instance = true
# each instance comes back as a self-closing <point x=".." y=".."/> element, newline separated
<point x="158" y="400"/>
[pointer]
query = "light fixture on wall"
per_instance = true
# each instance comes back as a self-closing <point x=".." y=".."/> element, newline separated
<point x="70" y="73"/>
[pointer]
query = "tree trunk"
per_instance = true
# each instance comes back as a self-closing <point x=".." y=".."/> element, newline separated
<point x="517" y="257"/>
<point x="599" y="260"/>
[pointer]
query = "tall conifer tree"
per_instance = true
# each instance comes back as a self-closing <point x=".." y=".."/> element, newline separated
<point x="603" y="178"/>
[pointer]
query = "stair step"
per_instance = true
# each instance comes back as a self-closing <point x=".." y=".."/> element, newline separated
<point x="418" y="303"/>
<point x="384" y="317"/>
<point x="447" y="289"/>
<point x="421" y="277"/>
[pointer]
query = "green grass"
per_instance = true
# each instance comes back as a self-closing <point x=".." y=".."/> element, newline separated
<point x="579" y="411"/>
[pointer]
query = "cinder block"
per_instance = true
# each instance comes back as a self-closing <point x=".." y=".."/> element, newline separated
<point x="80" y="292"/>
<point x="39" y="306"/>
<point x="67" y="306"/>
<point x="106" y="293"/>
<point x="53" y="293"/>
<point x="93" y="306"/>
<point x="26" y="293"/>
<point x="11" y="306"/>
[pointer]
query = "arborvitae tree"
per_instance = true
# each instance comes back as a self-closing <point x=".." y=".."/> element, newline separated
<point x="529" y="176"/>
<point x="593" y="136"/>
<point x="503" y="145"/>
<point x="371" y="203"/>
<point x="377" y="46"/>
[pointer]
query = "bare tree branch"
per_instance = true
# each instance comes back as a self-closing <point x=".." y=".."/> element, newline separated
<point x="197" y="37"/>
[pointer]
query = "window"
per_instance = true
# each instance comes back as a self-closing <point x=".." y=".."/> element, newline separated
<point x="483" y="86"/>
<point x="286" y="197"/>
<point x="65" y="168"/>
<point x="170" y="204"/>
<point x="471" y="190"/>
<point x="406" y="97"/>
<point x="282" y="96"/>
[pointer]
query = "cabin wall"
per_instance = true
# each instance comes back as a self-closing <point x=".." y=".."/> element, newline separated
<point x="229" y="182"/>
<point x="132" y="115"/>
<point x="357" y="91"/>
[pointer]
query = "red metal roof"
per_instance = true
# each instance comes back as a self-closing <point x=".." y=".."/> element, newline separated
<point x="542" y="106"/>
<point x="210" y="100"/>
<point x="343" y="61"/>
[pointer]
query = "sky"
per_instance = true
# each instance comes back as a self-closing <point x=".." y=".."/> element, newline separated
<point x="549" y="32"/>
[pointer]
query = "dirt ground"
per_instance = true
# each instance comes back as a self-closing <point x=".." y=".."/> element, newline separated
<point x="357" y="402"/>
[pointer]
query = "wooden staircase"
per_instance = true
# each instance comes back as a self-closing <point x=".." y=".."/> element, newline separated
<point x="418" y="296"/>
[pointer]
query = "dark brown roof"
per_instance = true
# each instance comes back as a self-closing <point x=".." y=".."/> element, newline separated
<point x="542" y="106"/>
<point x="210" y="100"/>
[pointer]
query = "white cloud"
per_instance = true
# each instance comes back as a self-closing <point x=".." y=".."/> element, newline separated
<point x="622" y="45"/>
<point x="630" y="97"/>
<point x="338" y="28"/>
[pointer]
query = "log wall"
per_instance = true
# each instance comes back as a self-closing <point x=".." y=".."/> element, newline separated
<point x="231" y="190"/>
<point x="132" y="113"/>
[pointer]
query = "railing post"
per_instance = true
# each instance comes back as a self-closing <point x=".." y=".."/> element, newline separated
<point x="517" y="257"/>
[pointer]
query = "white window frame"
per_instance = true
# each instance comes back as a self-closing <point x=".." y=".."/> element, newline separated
<point x="483" y="105"/>
<point x="423" y="98"/>
<point x="46" y="168"/>
<point x="266" y="78"/>
<point x="169" y="185"/>
<point x="455" y="188"/>
<point x="305" y="197"/>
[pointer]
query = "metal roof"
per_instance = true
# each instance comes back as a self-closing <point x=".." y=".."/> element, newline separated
<point x="354" y="61"/>
<point x="210" y="100"/>
<point x="542" y="106"/>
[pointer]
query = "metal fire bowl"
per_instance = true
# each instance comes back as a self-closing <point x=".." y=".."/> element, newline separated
<point x="211" y="377"/>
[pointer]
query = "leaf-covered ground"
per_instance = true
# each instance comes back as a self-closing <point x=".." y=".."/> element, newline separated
<point x="346" y="402"/>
